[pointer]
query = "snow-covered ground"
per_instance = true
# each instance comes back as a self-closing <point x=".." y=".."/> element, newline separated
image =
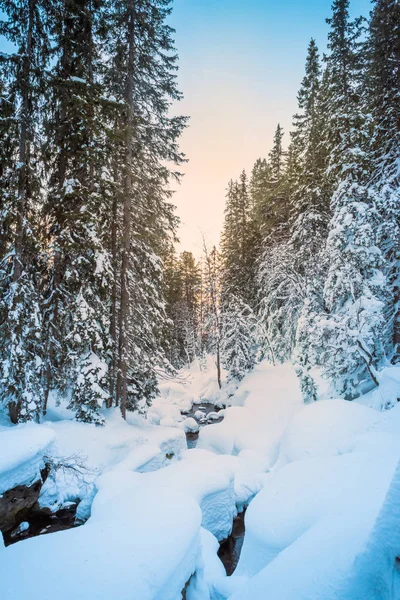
<point x="315" y="478"/>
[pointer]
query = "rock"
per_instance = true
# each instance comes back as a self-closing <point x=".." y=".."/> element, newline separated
<point x="190" y="425"/>
<point x="19" y="499"/>
<point x="22" y="527"/>
<point x="213" y="416"/>
<point x="200" y="415"/>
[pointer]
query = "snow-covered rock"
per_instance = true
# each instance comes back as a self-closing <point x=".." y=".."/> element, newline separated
<point x="190" y="425"/>
<point x="22" y="451"/>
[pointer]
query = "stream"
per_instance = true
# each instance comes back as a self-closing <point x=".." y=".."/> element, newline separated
<point x="229" y="549"/>
<point x="210" y="417"/>
<point x="41" y="522"/>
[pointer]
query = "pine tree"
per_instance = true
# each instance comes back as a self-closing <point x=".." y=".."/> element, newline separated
<point x="236" y="243"/>
<point x="23" y="83"/>
<point x="344" y="134"/>
<point x="308" y="198"/>
<point x="237" y="342"/>
<point x="76" y="313"/>
<point x="382" y="82"/>
<point x="355" y="292"/>
<point x="212" y="306"/>
<point x="277" y="209"/>
<point x="142" y="78"/>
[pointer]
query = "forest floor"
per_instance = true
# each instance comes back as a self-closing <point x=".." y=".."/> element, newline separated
<point x="312" y="478"/>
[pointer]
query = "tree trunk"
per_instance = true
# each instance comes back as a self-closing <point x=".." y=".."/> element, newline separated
<point x="114" y="291"/>
<point x="122" y="384"/>
<point x="219" y="366"/>
<point x="396" y="324"/>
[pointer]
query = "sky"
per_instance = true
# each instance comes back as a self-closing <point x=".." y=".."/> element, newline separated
<point x="241" y="65"/>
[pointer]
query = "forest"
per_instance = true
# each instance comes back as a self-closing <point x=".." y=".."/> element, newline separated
<point x="151" y="398"/>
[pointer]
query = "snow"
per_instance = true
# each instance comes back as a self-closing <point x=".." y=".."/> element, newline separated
<point x="315" y="480"/>
<point x="138" y="541"/>
<point x="325" y="428"/>
<point x="265" y="401"/>
<point x="22" y="450"/>
<point x="190" y="425"/>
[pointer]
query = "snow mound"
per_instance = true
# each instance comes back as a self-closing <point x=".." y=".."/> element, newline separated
<point x="21" y="454"/>
<point x="190" y="425"/>
<point x="325" y="428"/>
<point x="154" y="534"/>
<point x="264" y="403"/>
<point x="317" y="514"/>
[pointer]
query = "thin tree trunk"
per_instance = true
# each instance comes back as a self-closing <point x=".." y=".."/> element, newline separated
<point x="219" y="366"/>
<point x="114" y="291"/>
<point x="396" y="326"/>
<point x="122" y="384"/>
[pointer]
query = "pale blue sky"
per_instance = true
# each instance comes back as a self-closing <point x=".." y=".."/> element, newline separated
<point x="241" y="64"/>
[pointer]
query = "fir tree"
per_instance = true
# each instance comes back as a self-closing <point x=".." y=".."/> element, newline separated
<point x="76" y="314"/>
<point x="308" y="198"/>
<point x="238" y="344"/>
<point x="141" y="73"/>
<point x="23" y="83"/>
<point x="382" y="82"/>
<point x="236" y="243"/>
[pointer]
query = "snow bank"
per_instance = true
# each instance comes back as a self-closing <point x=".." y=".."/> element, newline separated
<point x="318" y="507"/>
<point x="325" y="428"/>
<point x="87" y="451"/>
<point x="208" y="481"/>
<point x="21" y="454"/>
<point x="387" y="394"/>
<point x="265" y="402"/>
<point x="138" y="543"/>
<point x="190" y="425"/>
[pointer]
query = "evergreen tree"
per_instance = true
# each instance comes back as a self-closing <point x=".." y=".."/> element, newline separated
<point x="23" y="83"/>
<point x="236" y="243"/>
<point x="355" y="292"/>
<point x="355" y="288"/>
<point x="237" y="343"/>
<point x="212" y="306"/>
<point x="182" y="281"/>
<point x="308" y="198"/>
<point x="76" y="313"/>
<point x="142" y="77"/>
<point x="382" y="82"/>
<point x="344" y="134"/>
<point x="277" y="205"/>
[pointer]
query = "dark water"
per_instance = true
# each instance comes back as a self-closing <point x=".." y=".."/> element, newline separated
<point x="230" y="549"/>
<point x="191" y="438"/>
<point x="41" y="523"/>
